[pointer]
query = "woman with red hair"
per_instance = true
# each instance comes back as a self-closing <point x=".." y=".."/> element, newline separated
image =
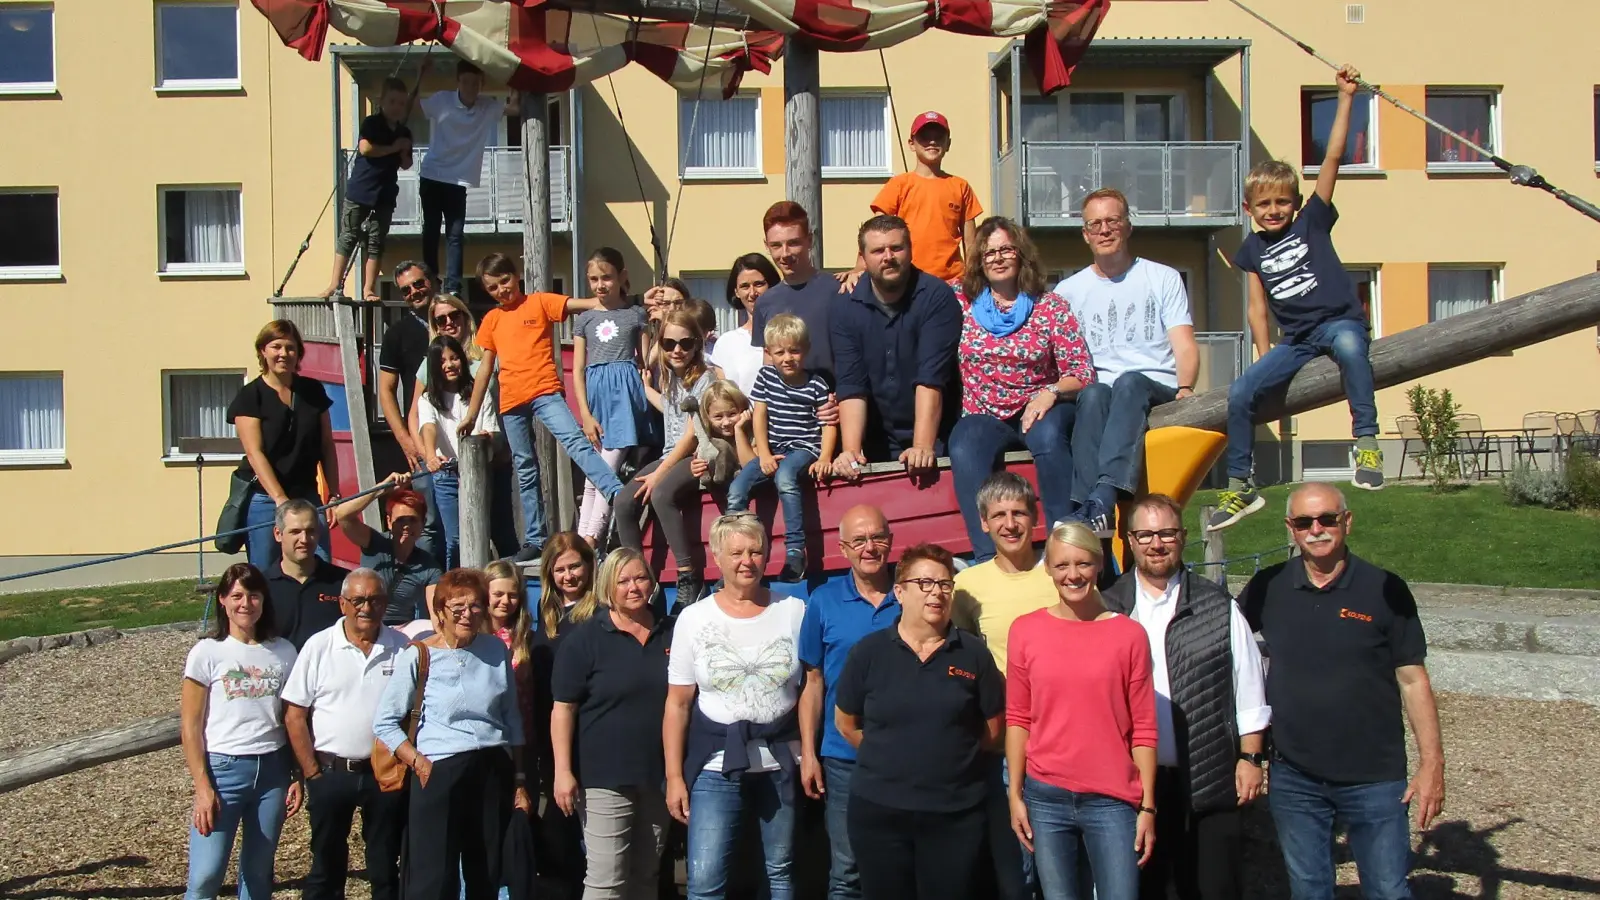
<point x="409" y="572"/>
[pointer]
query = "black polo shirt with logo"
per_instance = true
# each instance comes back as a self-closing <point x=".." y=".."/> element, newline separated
<point x="620" y="688"/>
<point x="404" y="351"/>
<point x="301" y="610"/>
<point x="1336" y="708"/>
<point x="922" y="723"/>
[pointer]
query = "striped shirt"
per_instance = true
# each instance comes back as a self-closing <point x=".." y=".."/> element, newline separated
<point x="791" y="410"/>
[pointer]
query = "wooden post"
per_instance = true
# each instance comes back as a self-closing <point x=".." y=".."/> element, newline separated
<point x="356" y="399"/>
<point x="802" y="102"/>
<point x="474" y="476"/>
<point x="26" y="767"/>
<point x="1214" y="549"/>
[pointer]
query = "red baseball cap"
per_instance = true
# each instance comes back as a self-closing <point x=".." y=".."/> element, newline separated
<point x="929" y="118"/>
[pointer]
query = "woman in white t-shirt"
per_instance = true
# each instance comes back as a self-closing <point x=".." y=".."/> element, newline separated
<point x="233" y="739"/>
<point x="731" y="729"/>
<point x="440" y="406"/>
<point x="748" y="279"/>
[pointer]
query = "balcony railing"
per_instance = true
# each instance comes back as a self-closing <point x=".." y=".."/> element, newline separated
<point x="1181" y="184"/>
<point x="495" y="205"/>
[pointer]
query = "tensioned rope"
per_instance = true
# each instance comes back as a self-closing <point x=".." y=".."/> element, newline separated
<point x="894" y="114"/>
<point x="627" y="142"/>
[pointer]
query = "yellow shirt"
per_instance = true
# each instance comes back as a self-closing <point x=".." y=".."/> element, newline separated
<point x="988" y="600"/>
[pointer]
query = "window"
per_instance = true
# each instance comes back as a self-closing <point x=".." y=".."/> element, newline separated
<point x="195" y="410"/>
<point x="202" y="231"/>
<point x="708" y="286"/>
<point x="1365" y="279"/>
<point x="722" y="139"/>
<point x="856" y="135"/>
<point x="30" y="234"/>
<point x="1453" y="290"/>
<point x="32" y="426"/>
<point x="27" y="50"/>
<point x="197" y="46"/>
<point x="1316" y="120"/>
<point x="1104" y="116"/>
<point x="1475" y="115"/>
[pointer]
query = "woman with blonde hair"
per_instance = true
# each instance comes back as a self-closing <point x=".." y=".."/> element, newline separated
<point x="1081" y="735"/>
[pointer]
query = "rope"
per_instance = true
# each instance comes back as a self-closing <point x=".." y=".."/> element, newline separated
<point x="894" y="114"/>
<point x="1224" y="564"/>
<point x="694" y="118"/>
<point x="627" y="141"/>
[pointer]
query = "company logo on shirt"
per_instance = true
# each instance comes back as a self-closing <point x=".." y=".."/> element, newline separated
<point x="1352" y="614"/>
<point x="962" y="673"/>
<point x="252" y="682"/>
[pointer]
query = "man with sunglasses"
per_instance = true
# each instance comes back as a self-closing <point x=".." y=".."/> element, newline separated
<point x="1348" y="655"/>
<point x="403" y="353"/>
<point x="1211" y="708"/>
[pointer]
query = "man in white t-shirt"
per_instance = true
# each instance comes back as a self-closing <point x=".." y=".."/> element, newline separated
<point x="461" y="123"/>
<point x="1135" y="318"/>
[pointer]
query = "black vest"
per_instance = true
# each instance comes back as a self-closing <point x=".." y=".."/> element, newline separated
<point x="1200" y="674"/>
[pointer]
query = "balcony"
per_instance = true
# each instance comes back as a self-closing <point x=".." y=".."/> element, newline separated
<point x="495" y="206"/>
<point x="1179" y="184"/>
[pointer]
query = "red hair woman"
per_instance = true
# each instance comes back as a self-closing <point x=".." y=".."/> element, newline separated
<point x="409" y="572"/>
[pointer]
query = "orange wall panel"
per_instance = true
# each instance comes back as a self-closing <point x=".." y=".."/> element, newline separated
<point x="1402" y="137"/>
<point x="772" y="130"/>
<point x="1404" y="291"/>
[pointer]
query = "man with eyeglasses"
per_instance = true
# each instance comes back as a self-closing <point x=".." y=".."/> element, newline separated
<point x="838" y="615"/>
<point x="1135" y="318"/>
<point x="1211" y="709"/>
<point x="404" y="351"/>
<point x="1348" y="655"/>
<point x="329" y="702"/>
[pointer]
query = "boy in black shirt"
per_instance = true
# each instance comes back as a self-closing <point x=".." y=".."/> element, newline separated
<point x="384" y="148"/>
<point x="1295" y="271"/>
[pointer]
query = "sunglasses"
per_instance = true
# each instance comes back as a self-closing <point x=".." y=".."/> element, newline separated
<point x="376" y="600"/>
<point x="1326" y="520"/>
<point x="416" y="287"/>
<point x="687" y="345"/>
<point x="441" y="321"/>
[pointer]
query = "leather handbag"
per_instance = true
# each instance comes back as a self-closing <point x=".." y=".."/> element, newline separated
<point x="234" y="513"/>
<point x="389" y="771"/>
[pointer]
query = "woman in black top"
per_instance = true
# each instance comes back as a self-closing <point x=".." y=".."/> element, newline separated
<point x="919" y="702"/>
<point x="282" y="420"/>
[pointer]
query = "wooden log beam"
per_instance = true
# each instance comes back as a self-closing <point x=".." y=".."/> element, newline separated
<point x="474" y="485"/>
<point x="26" y="767"/>
<point x="696" y="12"/>
<point x="355" y="397"/>
<point x="802" y="166"/>
<point x="1417" y="352"/>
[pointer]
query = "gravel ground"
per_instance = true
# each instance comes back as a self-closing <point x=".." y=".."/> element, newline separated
<point x="1520" y="821"/>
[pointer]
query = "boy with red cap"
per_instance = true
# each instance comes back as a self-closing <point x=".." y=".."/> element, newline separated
<point x="939" y="207"/>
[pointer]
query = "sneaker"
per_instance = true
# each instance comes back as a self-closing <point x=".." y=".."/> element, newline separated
<point x="1097" y="518"/>
<point x="1235" y="505"/>
<point x="794" y="568"/>
<point x="528" y="554"/>
<point x="1369" y="470"/>
<point x="691" y="587"/>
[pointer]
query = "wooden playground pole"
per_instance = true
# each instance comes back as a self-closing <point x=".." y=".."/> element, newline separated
<point x="802" y="163"/>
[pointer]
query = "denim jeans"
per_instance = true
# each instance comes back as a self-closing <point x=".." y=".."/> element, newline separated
<point x="1108" y="441"/>
<point x="1106" y="828"/>
<point x="844" y="882"/>
<point x="716" y="811"/>
<point x="552" y="410"/>
<point x="1343" y="339"/>
<point x="433" y="539"/>
<point x="1304" y="810"/>
<point x="447" y="203"/>
<point x="251" y="791"/>
<point x="791" y="479"/>
<point x="261" y="547"/>
<point x="447" y="500"/>
<point x="976" y="447"/>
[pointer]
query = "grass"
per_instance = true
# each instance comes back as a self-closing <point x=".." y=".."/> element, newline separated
<point x="1470" y="535"/>
<point x="79" y="609"/>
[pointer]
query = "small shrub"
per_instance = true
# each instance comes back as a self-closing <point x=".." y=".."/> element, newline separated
<point x="1583" y="478"/>
<point x="1436" y="424"/>
<point x="1529" y="486"/>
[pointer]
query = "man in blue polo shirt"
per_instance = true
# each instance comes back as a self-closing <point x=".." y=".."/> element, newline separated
<point x="894" y="356"/>
<point x="839" y="614"/>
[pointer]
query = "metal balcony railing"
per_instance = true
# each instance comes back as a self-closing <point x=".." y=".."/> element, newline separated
<point x="1180" y="183"/>
<point x="495" y="205"/>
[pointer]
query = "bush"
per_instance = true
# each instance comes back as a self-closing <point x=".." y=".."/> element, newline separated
<point x="1435" y="412"/>
<point x="1529" y="486"/>
<point x="1582" y="473"/>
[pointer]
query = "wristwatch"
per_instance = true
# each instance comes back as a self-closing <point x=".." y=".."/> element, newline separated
<point x="1255" y="759"/>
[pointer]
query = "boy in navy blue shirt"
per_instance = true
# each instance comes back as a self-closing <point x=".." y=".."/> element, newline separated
<point x="1295" y="272"/>
<point x="383" y="149"/>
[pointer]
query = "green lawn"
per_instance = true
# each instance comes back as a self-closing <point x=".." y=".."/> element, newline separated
<point x="79" y="609"/>
<point x="1468" y="536"/>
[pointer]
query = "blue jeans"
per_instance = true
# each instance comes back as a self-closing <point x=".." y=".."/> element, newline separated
<point x="977" y="444"/>
<point x="433" y="537"/>
<point x="252" y="792"/>
<point x="1106" y="828"/>
<point x="1343" y="339"/>
<point x="261" y="548"/>
<point x="447" y="203"/>
<point x="791" y="479"/>
<point x="1108" y="441"/>
<point x="552" y="410"/>
<point x="716" y="809"/>
<point x="1304" y="810"/>
<point x="447" y="500"/>
<point x="844" y="882"/>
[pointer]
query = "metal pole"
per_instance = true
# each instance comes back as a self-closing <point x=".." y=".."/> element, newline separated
<point x="473" y="460"/>
<point x="1215" y="549"/>
<point x="200" y="516"/>
<point x="802" y="100"/>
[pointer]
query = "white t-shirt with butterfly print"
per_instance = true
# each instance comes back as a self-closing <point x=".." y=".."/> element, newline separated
<point x="747" y="670"/>
<point x="244" y="715"/>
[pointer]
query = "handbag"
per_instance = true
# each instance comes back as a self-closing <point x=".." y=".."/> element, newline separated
<point x="389" y="771"/>
<point x="234" y="513"/>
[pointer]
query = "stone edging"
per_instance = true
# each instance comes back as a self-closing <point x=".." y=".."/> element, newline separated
<point x="22" y="646"/>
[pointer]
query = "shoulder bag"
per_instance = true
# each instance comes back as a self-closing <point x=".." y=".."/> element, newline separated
<point x="388" y="770"/>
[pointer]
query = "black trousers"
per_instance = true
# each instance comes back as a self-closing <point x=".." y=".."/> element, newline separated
<point x="332" y="799"/>
<point x="457" y="823"/>
<point x="1199" y="855"/>
<point x="898" y="850"/>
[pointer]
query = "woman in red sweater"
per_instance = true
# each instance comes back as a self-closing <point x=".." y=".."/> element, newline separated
<point x="1081" y="726"/>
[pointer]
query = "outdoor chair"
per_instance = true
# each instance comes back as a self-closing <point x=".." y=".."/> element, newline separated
<point x="1472" y="445"/>
<point x="1567" y="429"/>
<point x="1534" y="441"/>
<point x="1409" y="434"/>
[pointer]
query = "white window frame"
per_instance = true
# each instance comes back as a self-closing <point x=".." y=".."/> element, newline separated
<point x="36" y="273"/>
<point x="1128" y="109"/>
<point x="1497" y="283"/>
<point x="706" y="173"/>
<point x="887" y="169"/>
<point x="166" y="269"/>
<point x="26" y="88"/>
<point x="169" y="443"/>
<point x="54" y="457"/>
<point x="1377" y="294"/>
<point x="193" y="85"/>
<point x="1495" y="131"/>
<point x="1375" y="167"/>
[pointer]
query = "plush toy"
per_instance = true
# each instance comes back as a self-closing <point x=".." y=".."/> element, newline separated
<point x="722" y="459"/>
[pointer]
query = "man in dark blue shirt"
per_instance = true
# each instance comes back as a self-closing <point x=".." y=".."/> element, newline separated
<point x="383" y="148"/>
<point x="894" y="356"/>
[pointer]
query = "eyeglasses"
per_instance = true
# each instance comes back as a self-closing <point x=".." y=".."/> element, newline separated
<point x="1095" y="226"/>
<point x="463" y="610"/>
<point x="419" y="286"/>
<point x="932" y="585"/>
<point x="446" y="319"/>
<point x="685" y="344"/>
<point x="1326" y="520"/>
<point x="881" y="539"/>
<point x="1167" y="535"/>
<point x="373" y="600"/>
<point x="998" y="253"/>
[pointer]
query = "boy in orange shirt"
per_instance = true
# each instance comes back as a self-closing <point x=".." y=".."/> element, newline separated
<point x="940" y="208"/>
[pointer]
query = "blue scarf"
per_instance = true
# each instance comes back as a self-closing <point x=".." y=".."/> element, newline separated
<point x="997" y="323"/>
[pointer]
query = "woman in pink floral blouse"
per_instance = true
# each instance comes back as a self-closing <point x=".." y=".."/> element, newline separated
<point x="1023" y="361"/>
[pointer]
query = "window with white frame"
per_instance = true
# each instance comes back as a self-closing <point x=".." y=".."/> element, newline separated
<point x="708" y="286"/>
<point x="197" y="45"/>
<point x="27" y="49"/>
<point x="1473" y="113"/>
<point x="1317" y="108"/>
<point x="32" y="420"/>
<point x="1453" y="290"/>
<point x="202" y="231"/>
<point x="1365" y="279"/>
<point x="30" y="233"/>
<point x="722" y="138"/>
<point x="856" y="135"/>
<point x="195" y="407"/>
<point x="1104" y="116"/>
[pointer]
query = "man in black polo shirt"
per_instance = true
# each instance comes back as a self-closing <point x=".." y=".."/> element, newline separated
<point x="305" y="587"/>
<point x="404" y="351"/>
<point x="1347" y="653"/>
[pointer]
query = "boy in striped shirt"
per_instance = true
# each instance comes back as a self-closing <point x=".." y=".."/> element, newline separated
<point x="790" y="442"/>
